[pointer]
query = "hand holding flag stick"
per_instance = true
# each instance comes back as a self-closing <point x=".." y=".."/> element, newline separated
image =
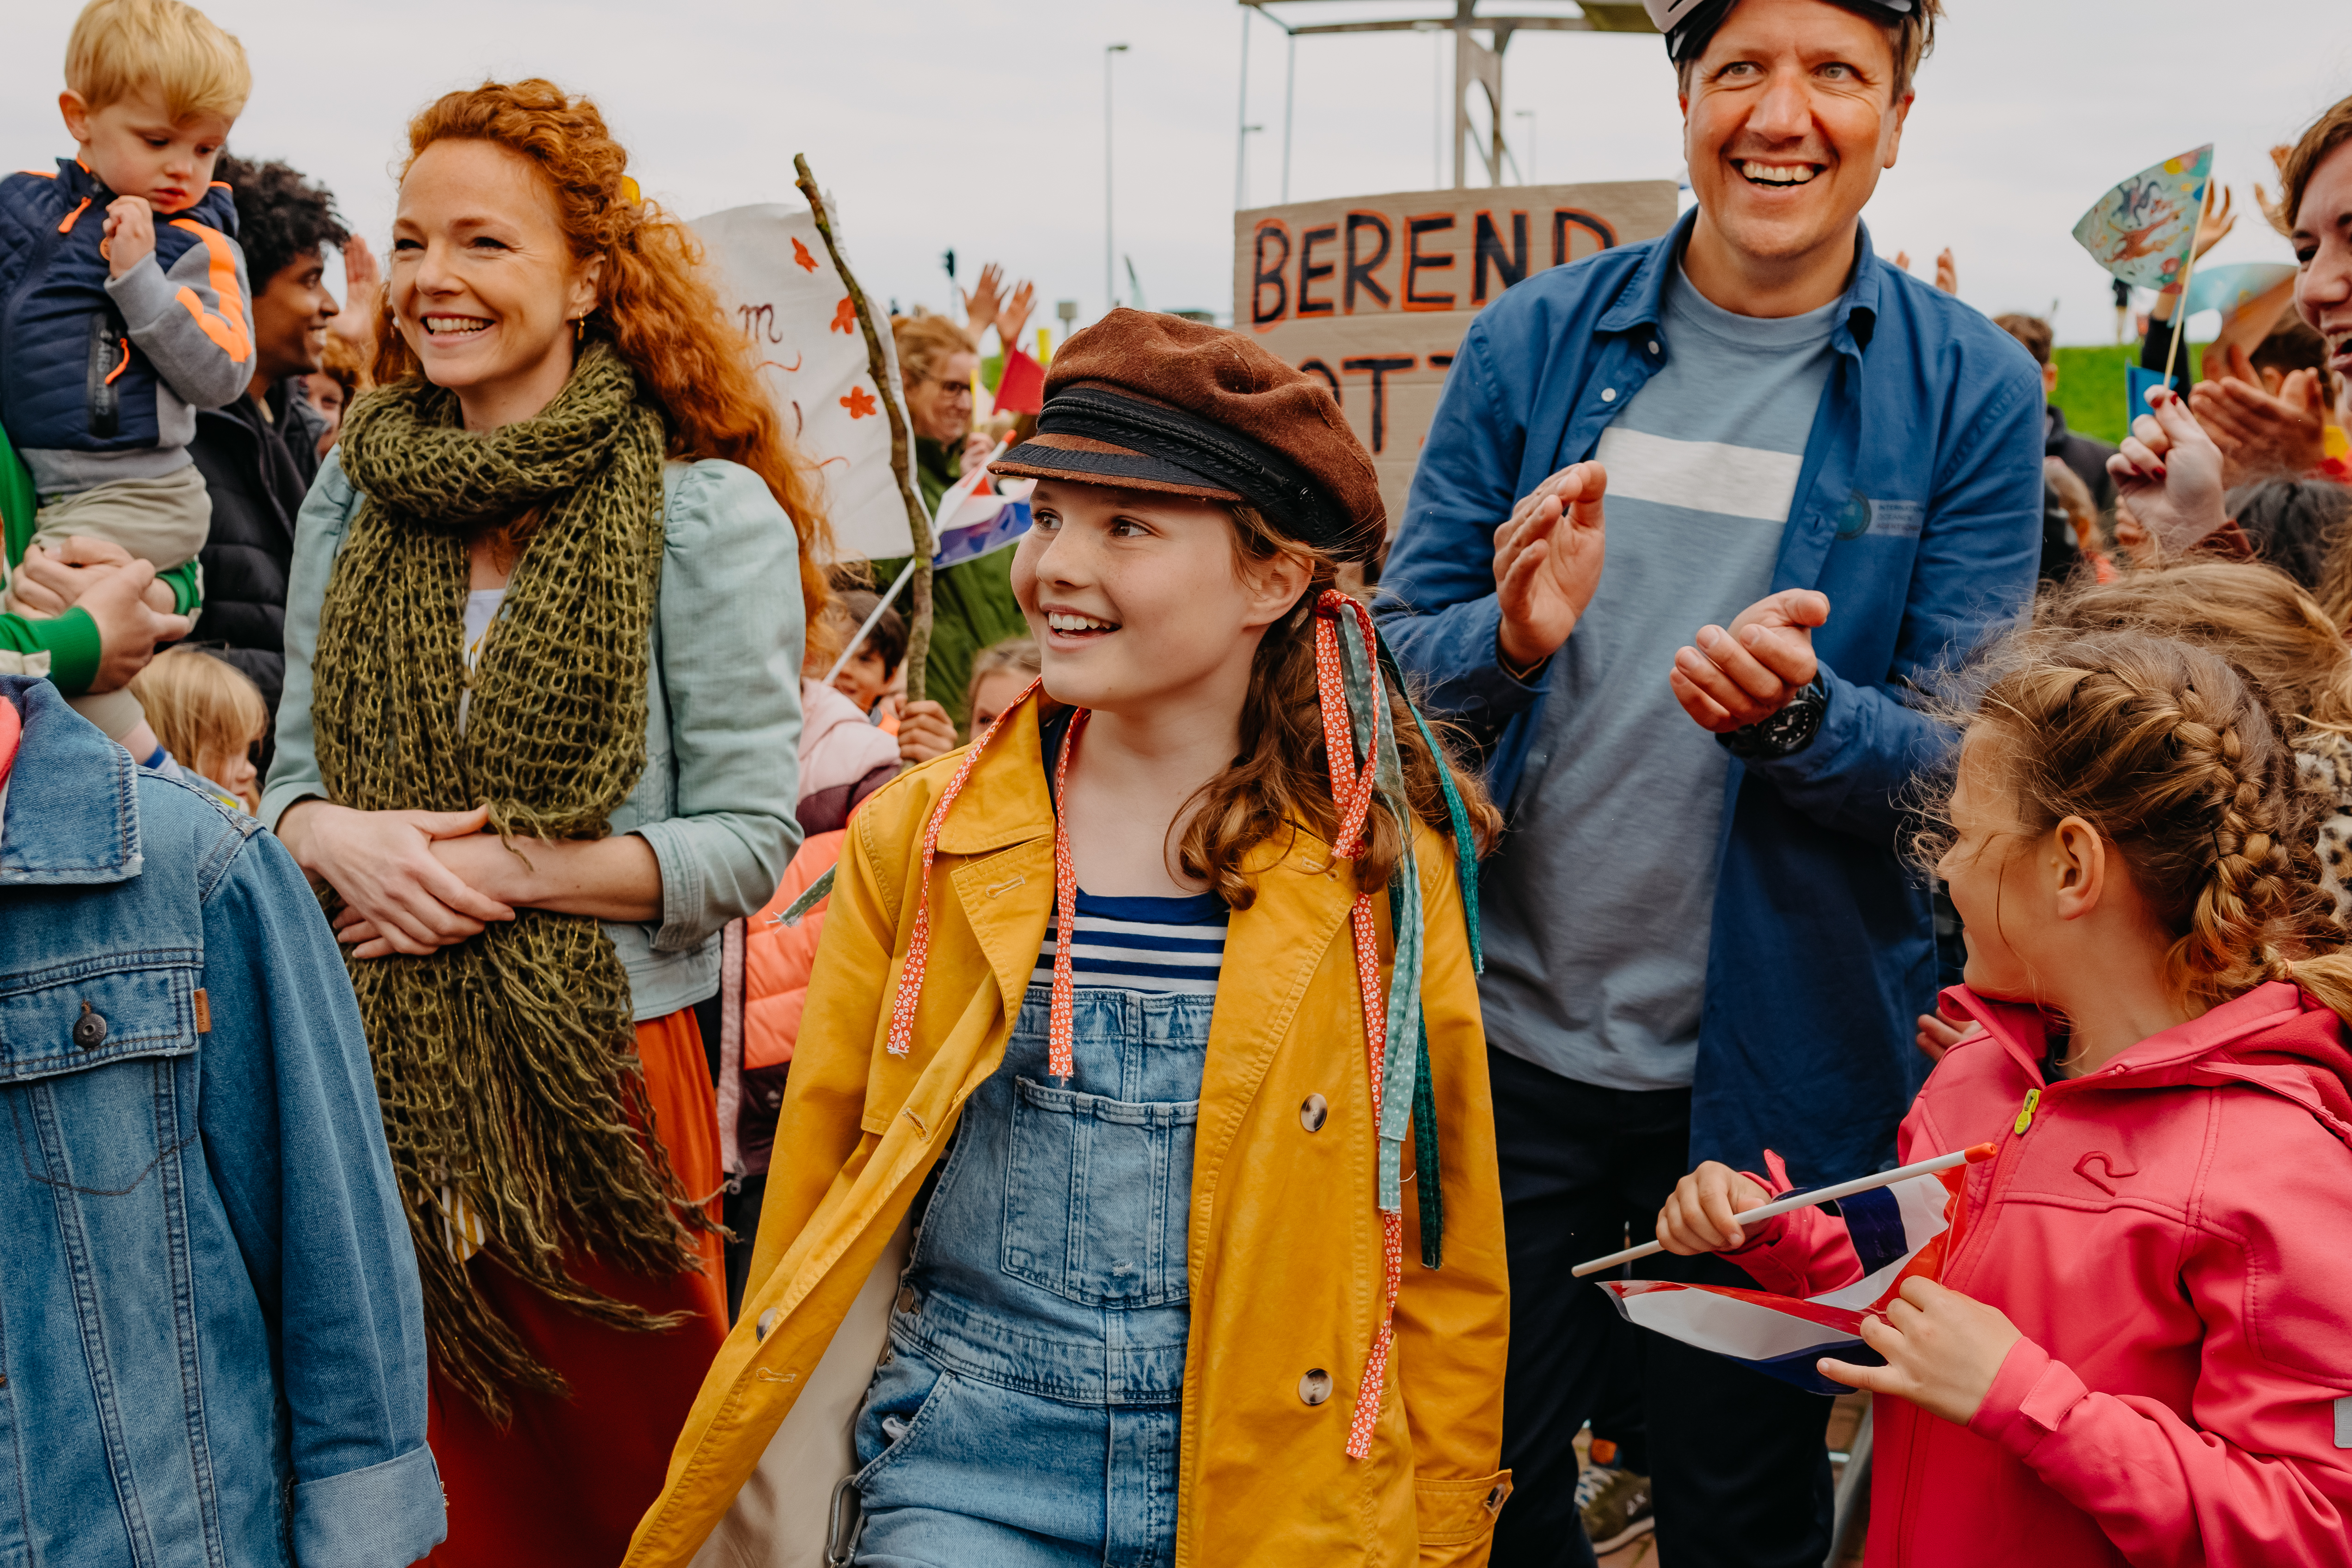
<point x="1793" y="1201"/>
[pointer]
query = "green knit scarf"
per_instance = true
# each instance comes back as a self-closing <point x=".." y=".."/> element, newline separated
<point x="507" y="1064"/>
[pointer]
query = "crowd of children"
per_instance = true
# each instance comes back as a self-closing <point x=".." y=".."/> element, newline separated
<point x="1101" y="1096"/>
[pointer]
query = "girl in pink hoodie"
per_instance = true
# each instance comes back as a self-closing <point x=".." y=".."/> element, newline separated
<point x="2140" y="1351"/>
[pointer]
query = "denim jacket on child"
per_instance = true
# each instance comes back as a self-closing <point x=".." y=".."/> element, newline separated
<point x="212" y="1339"/>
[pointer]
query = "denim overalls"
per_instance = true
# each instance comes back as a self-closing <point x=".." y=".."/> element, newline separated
<point x="1026" y="1411"/>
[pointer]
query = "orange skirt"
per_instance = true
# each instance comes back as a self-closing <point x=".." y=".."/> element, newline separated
<point x="564" y="1485"/>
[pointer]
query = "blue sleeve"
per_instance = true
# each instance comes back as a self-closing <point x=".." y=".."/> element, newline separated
<point x="730" y="656"/>
<point x="295" y="1139"/>
<point x="1980" y="549"/>
<point x="1438" y="609"/>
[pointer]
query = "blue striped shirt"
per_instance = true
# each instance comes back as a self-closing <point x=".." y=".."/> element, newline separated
<point x="1172" y="946"/>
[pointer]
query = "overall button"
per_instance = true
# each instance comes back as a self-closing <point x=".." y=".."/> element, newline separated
<point x="767" y="1322"/>
<point x="89" y="1029"/>
<point x="1608" y="394"/>
<point x="907" y="1299"/>
<point x="1654" y="345"/>
<point x="1313" y="1111"/>
<point x="1314" y="1387"/>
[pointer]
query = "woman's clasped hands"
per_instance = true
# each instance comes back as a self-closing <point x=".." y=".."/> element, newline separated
<point x="410" y="880"/>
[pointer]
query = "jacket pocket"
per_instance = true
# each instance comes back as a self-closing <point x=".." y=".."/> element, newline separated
<point x="1097" y="1195"/>
<point x="1459" y="1513"/>
<point x="87" y="1060"/>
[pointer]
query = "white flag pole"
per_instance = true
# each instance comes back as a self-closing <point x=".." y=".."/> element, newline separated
<point x="858" y="641"/>
<point x="1795" y="1201"/>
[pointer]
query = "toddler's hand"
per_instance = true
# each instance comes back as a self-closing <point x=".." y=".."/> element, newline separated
<point x="130" y="234"/>
<point x="1942" y="1349"/>
<point x="160" y="598"/>
<point x="1697" y="1216"/>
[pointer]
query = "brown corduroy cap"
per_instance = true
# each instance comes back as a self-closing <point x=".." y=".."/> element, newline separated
<point x="1146" y="402"/>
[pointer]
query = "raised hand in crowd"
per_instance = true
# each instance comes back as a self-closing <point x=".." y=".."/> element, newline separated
<point x="983" y="304"/>
<point x="1731" y="677"/>
<point x="362" y="295"/>
<point x="1547" y="561"/>
<point x="2167" y="475"/>
<point x="2263" y="430"/>
<point x="1947" y="272"/>
<point x="925" y="731"/>
<point x="1015" y="317"/>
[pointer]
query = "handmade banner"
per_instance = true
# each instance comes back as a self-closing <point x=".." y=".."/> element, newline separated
<point x="2141" y="230"/>
<point x="1373" y="293"/>
<point x="1898" y="1231"/>
<point x="778" y="285"/>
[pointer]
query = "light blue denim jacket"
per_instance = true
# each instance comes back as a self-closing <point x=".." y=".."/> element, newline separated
<point x="722" y="725"/>
<point x="212" y="1339"/>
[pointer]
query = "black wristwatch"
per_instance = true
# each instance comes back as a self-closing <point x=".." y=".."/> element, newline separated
<point x="1781" y="734"/>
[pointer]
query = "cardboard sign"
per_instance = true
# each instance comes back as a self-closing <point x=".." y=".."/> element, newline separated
<point x="1373" y="293"/>
<point x="778" y="285"/>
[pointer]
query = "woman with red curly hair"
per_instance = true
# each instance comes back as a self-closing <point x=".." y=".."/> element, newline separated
<point x="537" y="745"/>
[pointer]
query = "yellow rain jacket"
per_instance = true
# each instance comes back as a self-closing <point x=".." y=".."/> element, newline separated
<point x="1285" y="1243"/>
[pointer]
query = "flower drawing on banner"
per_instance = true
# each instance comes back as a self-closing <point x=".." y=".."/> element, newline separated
<point x="801" y="256"/>
<point x="860" y="403"/>
<point x="844" y="317"/>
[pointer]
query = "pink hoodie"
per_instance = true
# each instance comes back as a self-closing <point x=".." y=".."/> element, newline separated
<point x="2173" y="1236"/>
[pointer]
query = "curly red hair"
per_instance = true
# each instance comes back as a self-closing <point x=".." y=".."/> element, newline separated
<point x="658" y="306"/>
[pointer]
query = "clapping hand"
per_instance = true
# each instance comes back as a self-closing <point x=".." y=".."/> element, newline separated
<point x="2261" y="431"/>
<point x="1735" y="676"/>
<point x="1547" y="561"/>
<point x="362" y="295"/>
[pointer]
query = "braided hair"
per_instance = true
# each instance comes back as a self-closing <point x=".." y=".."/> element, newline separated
<point x="2175" y="756"/>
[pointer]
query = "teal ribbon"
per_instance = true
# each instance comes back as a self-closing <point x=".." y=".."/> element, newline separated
<point x="1424" y="1153"/>
<point x="1399" y="1072"/>
<point x="1465" y="849"/>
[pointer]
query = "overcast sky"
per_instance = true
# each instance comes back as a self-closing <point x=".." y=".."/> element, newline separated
<point x="978" y="124"/>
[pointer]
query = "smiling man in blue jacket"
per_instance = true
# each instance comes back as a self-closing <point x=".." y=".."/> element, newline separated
<point x="1695" y="520"/>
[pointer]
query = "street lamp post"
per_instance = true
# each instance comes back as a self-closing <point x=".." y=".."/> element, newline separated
<point x="1110" y="295"/>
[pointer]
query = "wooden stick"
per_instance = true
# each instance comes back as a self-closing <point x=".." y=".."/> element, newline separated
<point x="2188" y="273"/>
<point x="1795" y="1201"/>
<point x="918" y="525"/>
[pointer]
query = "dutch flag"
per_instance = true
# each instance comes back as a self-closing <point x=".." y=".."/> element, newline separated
<point x="1897" y="1231"/>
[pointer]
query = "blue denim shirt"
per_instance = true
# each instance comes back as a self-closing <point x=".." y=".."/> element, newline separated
<point x="722" y="713"/>
<point x="1918" y="511"/>
<point x="211" y="1331"/>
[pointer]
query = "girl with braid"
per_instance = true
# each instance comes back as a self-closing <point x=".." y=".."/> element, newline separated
<point x="1135" y="1199"/>
<point x="2138" y="1350"/>
<point x="533" y="746"/>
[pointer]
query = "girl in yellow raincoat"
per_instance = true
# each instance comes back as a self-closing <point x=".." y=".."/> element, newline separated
<point x="1092" y="1234"/>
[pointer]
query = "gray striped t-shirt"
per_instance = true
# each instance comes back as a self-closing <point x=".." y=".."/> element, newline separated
<point x="1597" y="911"/>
